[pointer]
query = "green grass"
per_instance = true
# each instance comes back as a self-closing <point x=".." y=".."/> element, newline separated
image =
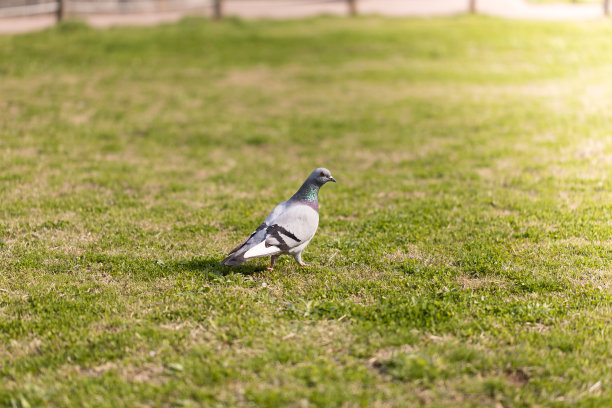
<point x="463" y="258"/>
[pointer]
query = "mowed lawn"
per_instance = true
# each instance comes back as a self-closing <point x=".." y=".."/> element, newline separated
<point x="464" y="257"/>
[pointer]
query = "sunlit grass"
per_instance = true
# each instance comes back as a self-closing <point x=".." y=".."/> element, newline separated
<point x="463" y="257"/>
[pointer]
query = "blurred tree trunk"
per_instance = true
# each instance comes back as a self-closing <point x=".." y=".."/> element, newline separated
<point x="61" y="10"/>
<point x="352" y="5"/>
<point x="472" y="6"/>
<point x="606" y="7"/>
<point x="217" y="9"/>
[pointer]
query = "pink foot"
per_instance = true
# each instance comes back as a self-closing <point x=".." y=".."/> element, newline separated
<point x="269" y="268"/>
<point x="304" y="264"/>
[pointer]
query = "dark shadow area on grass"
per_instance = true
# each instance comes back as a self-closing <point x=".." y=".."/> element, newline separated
<point x="213" y="266"/>
<point x="147" y="269"/>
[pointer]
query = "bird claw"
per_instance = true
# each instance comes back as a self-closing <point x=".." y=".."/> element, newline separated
<point x="304" y="264"/>
<point x="269" y="268"/>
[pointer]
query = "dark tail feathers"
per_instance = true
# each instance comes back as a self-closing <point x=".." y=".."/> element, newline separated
<point x="233" y="259"/>
<point x="236" y="257"/>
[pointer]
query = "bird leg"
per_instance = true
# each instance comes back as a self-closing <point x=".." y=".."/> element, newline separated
<point x="272" y="260"/>
<point x="298" y="259"/>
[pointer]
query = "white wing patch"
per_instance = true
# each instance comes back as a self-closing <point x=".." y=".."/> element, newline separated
<point x="261" y="250"/>
<point x="288" y="227"/>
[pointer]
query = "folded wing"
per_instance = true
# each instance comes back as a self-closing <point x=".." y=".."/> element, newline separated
<point x="285" y="228"/>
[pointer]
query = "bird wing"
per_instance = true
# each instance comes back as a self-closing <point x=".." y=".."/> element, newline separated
<point x="237" y="255"/>
<point x="296" y="225"/>
<point x="255" y="238"/>
<point x="288" y="226"/>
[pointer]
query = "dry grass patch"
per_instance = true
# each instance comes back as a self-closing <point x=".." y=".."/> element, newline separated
<point x="416" y="253"/>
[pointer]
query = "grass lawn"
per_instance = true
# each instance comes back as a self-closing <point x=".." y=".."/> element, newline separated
<point x="463" y="258"/>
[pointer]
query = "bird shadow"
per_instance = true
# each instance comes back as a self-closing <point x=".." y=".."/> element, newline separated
<point x="214" y="267"/>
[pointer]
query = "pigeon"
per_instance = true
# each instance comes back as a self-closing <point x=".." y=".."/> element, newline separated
<point x="289" y="227"/>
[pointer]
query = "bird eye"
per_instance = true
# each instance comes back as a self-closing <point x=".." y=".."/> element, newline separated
<point x="322" y="174"/>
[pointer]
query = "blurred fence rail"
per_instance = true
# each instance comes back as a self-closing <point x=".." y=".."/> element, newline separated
<point x="20" y="8"/>
<point x="61" y="9"/>
<point x="64" y="8"/>
<point x="215" y="8"/>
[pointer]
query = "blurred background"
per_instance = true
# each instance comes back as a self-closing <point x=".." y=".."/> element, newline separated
<point x="26" y="15"/>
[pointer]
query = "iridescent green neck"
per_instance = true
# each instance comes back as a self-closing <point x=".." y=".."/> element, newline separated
<point x="308" y="192"/>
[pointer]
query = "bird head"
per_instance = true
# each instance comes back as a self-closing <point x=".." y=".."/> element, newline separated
<point x="321" y="176"/>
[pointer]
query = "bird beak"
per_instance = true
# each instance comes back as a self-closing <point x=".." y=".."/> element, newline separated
<point x="332" y="179"/>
